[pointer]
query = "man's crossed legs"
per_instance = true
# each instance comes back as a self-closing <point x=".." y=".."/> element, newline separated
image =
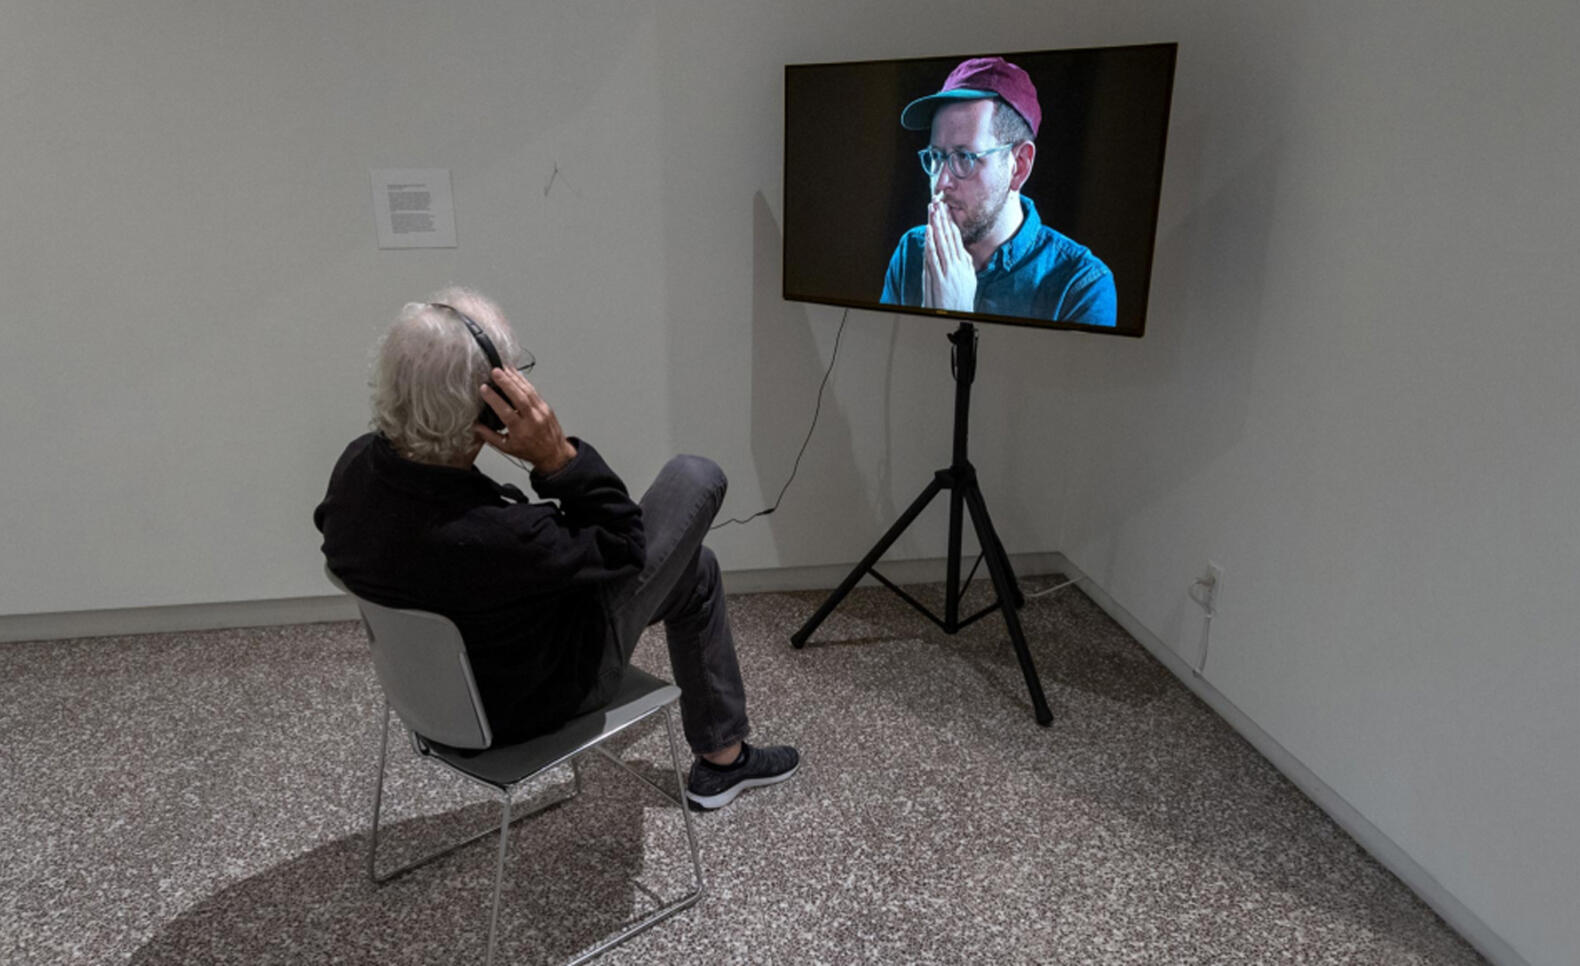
<point x="681" y="586"/>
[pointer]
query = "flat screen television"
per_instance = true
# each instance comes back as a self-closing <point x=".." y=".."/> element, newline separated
<point x="1040" y="173"/>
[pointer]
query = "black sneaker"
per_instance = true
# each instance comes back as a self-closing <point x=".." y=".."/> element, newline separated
<point x="715" y="786"/>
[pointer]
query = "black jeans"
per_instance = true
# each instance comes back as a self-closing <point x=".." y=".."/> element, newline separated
<point x="680" y="585"/>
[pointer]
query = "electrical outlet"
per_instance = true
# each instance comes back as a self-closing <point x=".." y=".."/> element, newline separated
<point x="1205" y="589"/>
<point x="1214" y="582"/>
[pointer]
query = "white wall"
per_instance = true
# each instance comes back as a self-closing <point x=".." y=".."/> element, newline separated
<point x="1356" y="393"/>
<point x="192" y="283"/>
<point x="1361" y="401"/>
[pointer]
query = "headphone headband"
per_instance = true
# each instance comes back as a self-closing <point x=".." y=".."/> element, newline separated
<point x="487" y="416"/>
<point x="483" y="341"/>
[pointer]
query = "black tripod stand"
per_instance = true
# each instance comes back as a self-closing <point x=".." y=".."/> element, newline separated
<point x="960" y="479"/>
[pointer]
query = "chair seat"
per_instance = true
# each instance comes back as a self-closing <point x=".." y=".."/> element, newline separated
<point x="639" y="695"/>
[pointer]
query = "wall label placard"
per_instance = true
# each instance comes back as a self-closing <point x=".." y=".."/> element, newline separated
<point x="413" y="208"/>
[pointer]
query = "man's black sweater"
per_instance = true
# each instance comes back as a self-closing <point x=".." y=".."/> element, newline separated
<point x="520" y="579"/>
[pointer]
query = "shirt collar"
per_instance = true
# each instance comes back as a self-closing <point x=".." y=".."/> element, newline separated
<point x="1020" y="244"/>
<point x="429" y="479"/>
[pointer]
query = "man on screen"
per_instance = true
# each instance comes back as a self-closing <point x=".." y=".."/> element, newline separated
<point x="984" y="248"/>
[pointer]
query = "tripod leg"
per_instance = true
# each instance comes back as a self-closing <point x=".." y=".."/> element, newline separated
<point x="799" y="638"/>
<point x="952" y="567"/>
<point x="992" y="544"/>
<point x="1004" y="585"/>
<point x="1016" y="597"/>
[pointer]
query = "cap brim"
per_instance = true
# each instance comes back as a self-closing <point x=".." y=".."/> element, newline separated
<point x="918" y="115"/>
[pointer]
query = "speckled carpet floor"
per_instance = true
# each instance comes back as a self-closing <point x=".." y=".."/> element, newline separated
<point x="203" y="798"/>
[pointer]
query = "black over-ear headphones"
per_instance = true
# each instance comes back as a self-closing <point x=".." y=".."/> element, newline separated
<point x="487" y="417"/>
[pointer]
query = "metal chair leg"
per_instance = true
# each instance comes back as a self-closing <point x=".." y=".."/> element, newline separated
<point x="378" y="797"/>
<point x="685" y="806"/>
<point x="684" y="902"/>
<point x="499" y="875"/>
<point x="378" y="794"/>
<point x="616" y="760"/>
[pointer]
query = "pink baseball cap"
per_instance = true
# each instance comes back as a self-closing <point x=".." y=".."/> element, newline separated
<point x="975" y="79"/>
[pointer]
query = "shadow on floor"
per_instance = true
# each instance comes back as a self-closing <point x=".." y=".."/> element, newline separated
<point x="574" y="875"/>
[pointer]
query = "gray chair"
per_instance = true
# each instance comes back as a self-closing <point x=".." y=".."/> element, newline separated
<point x="421" y="663"/>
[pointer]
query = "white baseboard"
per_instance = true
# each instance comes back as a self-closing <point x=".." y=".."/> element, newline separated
<point x="900" y="571"/>
<point x="175" y="618"/>
<point x="1382" y="848"/>
<point x="311" y="610"/>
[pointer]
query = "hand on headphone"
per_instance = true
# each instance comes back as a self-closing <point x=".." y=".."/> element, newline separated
<point x="532" y="431"/>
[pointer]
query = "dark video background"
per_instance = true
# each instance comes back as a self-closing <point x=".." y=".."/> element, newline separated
<point x="853" y="184"/>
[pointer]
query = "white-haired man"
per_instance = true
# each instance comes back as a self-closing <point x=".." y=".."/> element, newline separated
<point x="549" y="599"/>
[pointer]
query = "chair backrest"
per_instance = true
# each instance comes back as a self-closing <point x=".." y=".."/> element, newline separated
<point x="421" y="662"/>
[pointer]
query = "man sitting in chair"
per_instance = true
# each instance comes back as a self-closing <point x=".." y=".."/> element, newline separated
<point x="550" y="600"/>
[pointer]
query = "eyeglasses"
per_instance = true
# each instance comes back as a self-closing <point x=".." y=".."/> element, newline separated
<point x="961" y="163"/>
<point x="525" y="360"/>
